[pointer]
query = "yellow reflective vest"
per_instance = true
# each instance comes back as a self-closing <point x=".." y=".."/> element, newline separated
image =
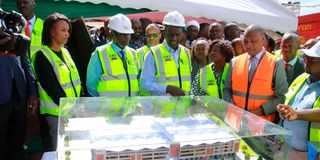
<point x="314" y="130"/>
<point x="141" y="53"/>
<point x="278" y="54"/>
<point x="208" y="82"/>
<point x="167" y="71"/>
<point x="36" y="37"/>
<point x="67" y="75"/>
<point x="116" y="81"/>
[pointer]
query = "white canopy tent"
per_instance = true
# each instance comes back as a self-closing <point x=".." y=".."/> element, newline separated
<point x="266" y="13"/>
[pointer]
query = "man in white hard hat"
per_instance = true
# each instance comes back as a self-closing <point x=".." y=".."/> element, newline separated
<point x="167" y="67"/>
<point x="113" y="68"/>
<point x="192" y="28"/>
<point x="303" y="98"/>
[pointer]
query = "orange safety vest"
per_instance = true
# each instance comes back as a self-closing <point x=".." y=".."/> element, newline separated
<point x="251" y="96"/>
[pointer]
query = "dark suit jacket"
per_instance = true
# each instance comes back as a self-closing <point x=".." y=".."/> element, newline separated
<point x="297" y="70"/>
<point x="80" y="51"/>
<point x="16" y="71"/>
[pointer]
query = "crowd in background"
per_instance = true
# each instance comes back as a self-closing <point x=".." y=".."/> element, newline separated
<point x="138" y="57"/>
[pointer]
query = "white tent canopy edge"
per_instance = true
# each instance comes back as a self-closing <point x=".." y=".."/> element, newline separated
<point x="266" y="13"/>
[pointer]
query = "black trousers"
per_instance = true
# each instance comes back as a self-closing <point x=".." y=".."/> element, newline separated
<point x="13" y="122"/>
<point x="49" y="132"/>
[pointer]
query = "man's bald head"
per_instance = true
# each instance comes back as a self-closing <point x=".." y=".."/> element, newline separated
<point x="254" y="29"/>
<point x="253" y="39"/>
<point x="289" y="46"/>
<point x="153" y="34"/>
<point x="291" y="36"/>
<point x="153" y="26"/>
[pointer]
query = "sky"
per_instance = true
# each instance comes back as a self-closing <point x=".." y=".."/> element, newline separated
<point x="307" y="6"/>
<point x="309" y="10"/>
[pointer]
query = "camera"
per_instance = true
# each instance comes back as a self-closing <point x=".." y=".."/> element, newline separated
<point x="12" y="24"/>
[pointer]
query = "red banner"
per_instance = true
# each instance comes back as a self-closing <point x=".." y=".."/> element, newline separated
<point x="309" y="26"/>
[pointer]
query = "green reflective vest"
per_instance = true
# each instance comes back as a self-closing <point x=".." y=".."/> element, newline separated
<point x="67" y="75"/>
<point x="278" y="54"/>
<point x="167" y="71"/>
<point x="314" y="130"/>
<point x="36" y="37"/>
<point x="208" y="82"/>
<point x="141" y="53"/>
<point x="115" y="80"/>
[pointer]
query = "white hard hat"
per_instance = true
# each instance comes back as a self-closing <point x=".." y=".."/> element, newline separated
<point x="121" y="24"/>
<point x="193" y="23"/>
<point x="174" y="19"/>
<point x="313" y="51"/>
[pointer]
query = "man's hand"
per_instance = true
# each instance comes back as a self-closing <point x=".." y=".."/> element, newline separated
<point x="174" y="91"/>
<point x="286" y="112"/>
<point x="33" y="104"/>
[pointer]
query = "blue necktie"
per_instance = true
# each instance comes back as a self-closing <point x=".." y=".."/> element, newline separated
<point x="123" y="59"/>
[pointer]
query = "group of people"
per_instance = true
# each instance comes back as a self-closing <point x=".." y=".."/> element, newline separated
<point x="146" y="60"/>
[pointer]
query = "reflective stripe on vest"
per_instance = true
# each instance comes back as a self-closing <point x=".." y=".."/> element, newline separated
<point x="114" y="81"/>
<point x="295" y="87"/>
<point x="261" y="90"/>
<point x="141" y="53"/>
<point x="208" y="82"/>
<point x="167" y="70"/>
<point x="36" y="37"/>
<point x="278" y="54"/>
<point x="63" y="71"/>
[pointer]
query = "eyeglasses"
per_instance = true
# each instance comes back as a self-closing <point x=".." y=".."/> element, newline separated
<point x="154" y="35"/>
<point x="310" y="60"/>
